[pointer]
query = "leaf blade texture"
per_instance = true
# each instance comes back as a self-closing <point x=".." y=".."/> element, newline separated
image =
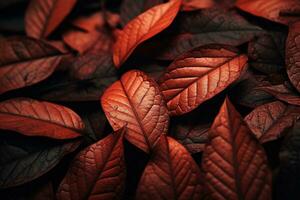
<point x="198" y="76"/>
<point x="170" y="174"/>
<point x="44" y="16"/>
<point x="102" y="171"/>
<point x="234" y="163"/>
<point x="37" y="118"/>
<point x="135" y="101"/>
<point x="143" y="27"/>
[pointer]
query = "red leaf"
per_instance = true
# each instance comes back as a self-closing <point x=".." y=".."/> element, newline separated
<point x="25" y="61"/>
<point x="135" y="101"/>
<point x="191" y="5"/>
<point x="143" y="27"/>
<point x="198" y="76"/>
<point x="292" y="58"/>
<point x="274" y="10"/>
<point x="269" y="121"/>
<point x="37" y="118"/>
<point x="234" y="163"/>
<point x="98" y="172"/>
<point x="170" y="174"/>
<point x="44" y="16"/>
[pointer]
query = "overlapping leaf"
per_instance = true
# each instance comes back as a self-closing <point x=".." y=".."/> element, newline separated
<point x="199" y="75"/>
<point x="170" y="174"/>
<point x="135" y="101"/>
<point x="234" y="163"/>
<point x="143" y="27"/>
<point x="25" y="61"/>
<point x="293" y="55"/>
<point x="24" y="159"/>
<point x="268" y="121"/>
<point x="44" y="16"/>
<point x="285" y="12"/>
<point x="98" y="172"/>
<point x="37" y="118"/>
<point x="203" y="27"/>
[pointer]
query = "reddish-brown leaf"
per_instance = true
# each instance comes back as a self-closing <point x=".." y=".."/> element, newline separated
<point x="281" y="11"/>
<point x="292" y="58"/>
<point x="170" y="174"/>
<point x="199" y="75"/>
<point x="38" y="118"/>
<point x="283" y="93"/>
<point x="98" y="172"/>
<point x="135" y="101"/>
<point x="44" y="16"/>
<point x="25" y="61"/>
<point x="143" y="27"/>
<point x="190" y="5"/>
<point x="234" y="163"/>
<point x="269" y="121"/>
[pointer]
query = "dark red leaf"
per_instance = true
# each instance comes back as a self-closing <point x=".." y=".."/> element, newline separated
<point x="274" y="10"/>
<point x="143" y="27"/>
<point x="98" y="172"/>
<point x="44" y="16"/>
<point x="170" y="174"/>
<point x="37" y="118"/>
<point x="135" y="101"/>
<point x="269" y="121"/>
<point x="292" y="58"/>
<point x="200" y="75"/>
<point x="25" y="61"/>
<point x="234" y="163"/>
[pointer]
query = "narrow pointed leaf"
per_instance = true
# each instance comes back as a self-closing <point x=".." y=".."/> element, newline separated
<point x="143" y="27"/>
<point x="37" y="118"/>
<point x="199" y="75"/>
<point x="135" y="101"/>
<point x="292" y="58"/>
<point x="170" y="174"/>
<point x="98" y="172"/>
<point x="234" y="163"/>
<point x="269" y="121"/>
<point x="44" y="16"/>
<point x="25" y="61"/>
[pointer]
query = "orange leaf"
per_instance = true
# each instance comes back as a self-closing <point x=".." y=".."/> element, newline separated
<point x="234" y="163"/>
<point x="143" y="27"/>
<point x="44" y="16"/>
<point x="199" y="75"/>
<point x="135" y="101"/>
<point x="39" y="118"/>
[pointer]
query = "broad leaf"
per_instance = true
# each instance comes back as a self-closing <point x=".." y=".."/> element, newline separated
<point x="25" y="61"/>
<point x="143" y="27"/>
<point x="274" y="10"/>
<point x="266" y="53"/>
<point x="132" y="8"/>
<point x="23" y="159"/>
<point x="44" y="16"/>
<point x="203" y="27"/>
<point x="190" y="5"/>
<point x="200" y="75"/>
<point x="170" y="174"/>
<point x="98" y="172"/>
<point x="135" y="101"/>
<point x="234" y="163"/>
<point x="37" y="118"/>
<point x="292" y="58"/>
<point x="269" y="121"/>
